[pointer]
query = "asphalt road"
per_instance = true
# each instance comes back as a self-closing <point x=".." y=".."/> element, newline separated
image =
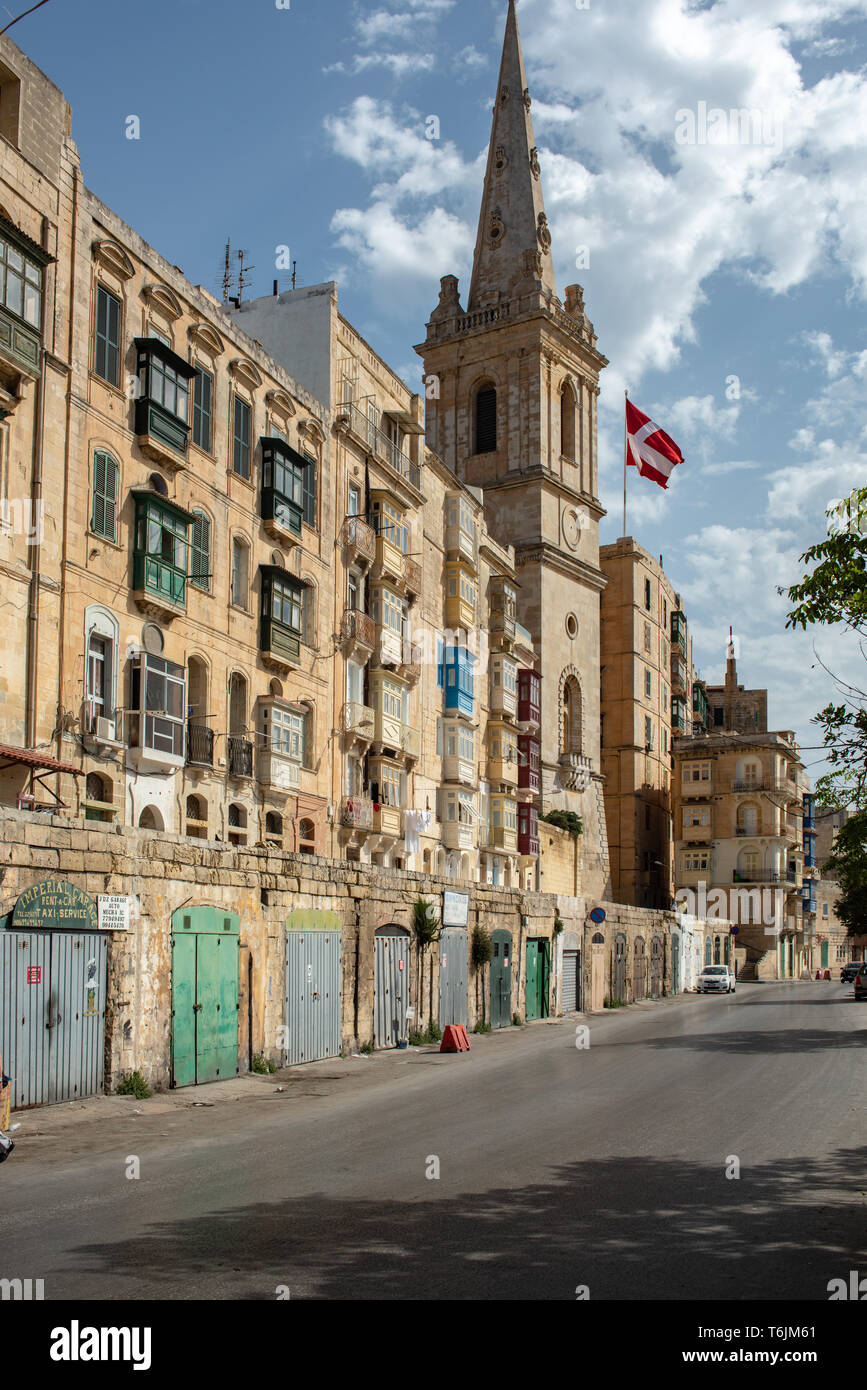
<point x="558" y="1167"/>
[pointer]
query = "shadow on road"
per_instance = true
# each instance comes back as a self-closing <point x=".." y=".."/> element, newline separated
<point x="791" y="1040"/>
<point x="628" y="1228"/>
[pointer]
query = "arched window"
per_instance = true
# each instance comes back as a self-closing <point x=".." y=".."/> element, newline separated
<point x="486" y="420"/>
<point x="94" y="789"/>
<point x="567" y="421"/>
<point x="274" y="828"/>
<point x="572" y="715"/>
<point x="237" y="824"/>
<point x="151" y="819"/>
<point x="306" y="837"/>
<point x="748" y="818"/>
<point x="103" y="515"/>
<point x="197" y="818"/>
<point x="200" y="552"/>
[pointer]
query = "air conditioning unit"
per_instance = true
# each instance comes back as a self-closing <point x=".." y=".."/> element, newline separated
<point x="105" y="730"/>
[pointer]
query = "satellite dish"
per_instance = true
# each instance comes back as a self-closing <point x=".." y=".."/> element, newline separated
<point x="152" y="639"/>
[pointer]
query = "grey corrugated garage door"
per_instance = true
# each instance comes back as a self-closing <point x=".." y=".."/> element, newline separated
<point x="571" y="996"/>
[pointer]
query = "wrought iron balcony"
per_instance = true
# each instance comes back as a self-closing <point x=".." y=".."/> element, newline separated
<point x="200" y="745"/>
<point x="359" y="540"/>
<point x="412" y="576"/>
<point x="358" y="632"/>
<point x="239" y="757"/>
<point x="356" y="813"/>
<point x="377" y="442"/>
<point x="358" y="720"/>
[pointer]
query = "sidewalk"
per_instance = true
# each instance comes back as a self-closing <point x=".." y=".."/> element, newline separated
<point x="319" y="1079"/>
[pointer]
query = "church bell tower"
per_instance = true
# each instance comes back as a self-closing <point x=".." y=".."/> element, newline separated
<point x="512" y="385"/>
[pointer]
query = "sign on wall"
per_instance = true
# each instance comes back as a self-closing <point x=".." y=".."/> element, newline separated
<point x="54" y="904"/>
<point x="456" y="909"/>
<point x="113" y="912"/>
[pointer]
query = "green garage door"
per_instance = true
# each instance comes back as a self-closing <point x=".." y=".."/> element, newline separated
<point x="204" y="995"/>
<point x="538" y="973"/>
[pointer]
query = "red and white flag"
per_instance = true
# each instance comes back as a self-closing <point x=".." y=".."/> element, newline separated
<point x="648" y="448"/>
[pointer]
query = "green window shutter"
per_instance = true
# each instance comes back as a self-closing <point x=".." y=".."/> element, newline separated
<point x="103" y="519"/>
<point x="202" y="409"/>
<point x="310" y="491"/>
<point x="200" y="558"/>
<point x="107" y="355"/>
<point x="241" y="454"/>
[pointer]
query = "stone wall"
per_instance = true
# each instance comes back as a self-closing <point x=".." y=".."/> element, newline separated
<point x="162" y="873"/>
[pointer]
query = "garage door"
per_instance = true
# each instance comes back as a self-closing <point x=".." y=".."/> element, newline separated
<point x="312" y="995"/>
<point x="391" y="986"/>
<point x="205" y="995"/>
<point x="571" y="974"/>
<point x="52" y="1014"/>
<point x="453" y="976"/>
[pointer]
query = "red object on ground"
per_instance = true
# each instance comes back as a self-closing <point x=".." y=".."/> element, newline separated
<point x="455" y="1039"/>
<point x="827" y="974"/>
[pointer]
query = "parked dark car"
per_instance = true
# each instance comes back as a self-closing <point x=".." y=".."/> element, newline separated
<point x="850" y="971"/>
<point x="861" y="983"/>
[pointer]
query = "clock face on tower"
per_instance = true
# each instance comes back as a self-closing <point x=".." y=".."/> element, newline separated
<point x="571" y="528"/>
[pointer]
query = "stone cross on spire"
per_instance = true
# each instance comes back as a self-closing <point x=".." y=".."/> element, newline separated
<point x="513" y="249"/>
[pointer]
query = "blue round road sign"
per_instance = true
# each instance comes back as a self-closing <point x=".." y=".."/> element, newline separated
<point x="598" y="914"/>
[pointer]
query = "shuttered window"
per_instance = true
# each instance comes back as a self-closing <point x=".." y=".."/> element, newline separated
<point x="200" y="552"/>
<point x="103" y="518"/>
<point x="107" y="355"/>
<point x="310" y="491"/>
<point x="486" y="421"/>
<point x="203" y="391"/>
<point x="241" y="449"/>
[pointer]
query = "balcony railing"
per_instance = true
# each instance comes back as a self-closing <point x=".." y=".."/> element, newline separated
<point x="412" y="575"/>
<point x="766" y="784"/>
<point x="358" y="719"/>
<point x="358" y="629"/>
<point x="239" y="757"/>
<point x="200" y="745"/>
<point x="359" y="539"/>
<point x="379" y="444"/>
<point x="757" y="876"/>
<point x="356" y="813"/>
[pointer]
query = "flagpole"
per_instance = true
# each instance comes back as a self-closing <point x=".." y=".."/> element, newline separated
<point x="625" y="452"/>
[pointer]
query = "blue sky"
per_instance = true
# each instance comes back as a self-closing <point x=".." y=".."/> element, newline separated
<point x="726" y="276"/>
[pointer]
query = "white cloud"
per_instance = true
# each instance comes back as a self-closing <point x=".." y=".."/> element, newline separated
<point x="390" y="249"/>
<point x="698" y="415"/>
<point x="470" y="59"/>
<point x="822" y="344"/>
<point x="398" y="64"/>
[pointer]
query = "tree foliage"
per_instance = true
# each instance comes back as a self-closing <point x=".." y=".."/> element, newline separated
<point x="565" y="820"/>
<point x="848" y="864"/>
<point x="834" y="592"/>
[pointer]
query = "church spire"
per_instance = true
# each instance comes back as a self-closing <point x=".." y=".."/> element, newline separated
<point x="513" y="249"/>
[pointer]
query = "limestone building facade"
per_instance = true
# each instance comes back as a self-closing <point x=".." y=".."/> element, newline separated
<point x="646" y="683"/>
<point x="512" y="384"/>
<point x="739" y="801"/>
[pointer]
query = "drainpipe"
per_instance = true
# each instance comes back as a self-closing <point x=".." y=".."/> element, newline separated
<point x="66" y="458"/>
<point x="35" y="549"/>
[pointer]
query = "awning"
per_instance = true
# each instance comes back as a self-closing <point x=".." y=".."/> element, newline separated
<point x="406" y="420"/>
<point x="39" y="765"/>
<point x="30" y="757"/>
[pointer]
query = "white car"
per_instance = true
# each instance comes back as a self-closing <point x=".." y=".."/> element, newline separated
<point x="716" y="979"/>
